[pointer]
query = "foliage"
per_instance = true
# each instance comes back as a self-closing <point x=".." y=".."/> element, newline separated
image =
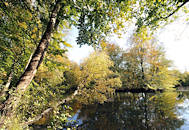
<point x="45" y="91"/>
<point x="23" y="23"/>
<point x="97" y="81"/>
<point x="72" y="77"/>
<point x="155" y="13"/>
<point x="18" y="27"/>
<point x="184" y="79"/>
<point x="116" y="55"/>
<point x="146" y="110"/>
<point x="143" y="64"/>
<point x="147" y="64"/>
<point x="166" y="103"/>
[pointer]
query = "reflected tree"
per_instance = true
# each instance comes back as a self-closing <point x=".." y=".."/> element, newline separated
<point x="133" y="111"/>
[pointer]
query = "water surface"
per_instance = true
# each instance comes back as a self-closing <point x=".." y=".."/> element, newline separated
<point x="127" y="111"/>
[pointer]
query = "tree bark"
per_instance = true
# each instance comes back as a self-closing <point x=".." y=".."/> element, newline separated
<point x="39" y="53"/>
<point x="32" y="67"/>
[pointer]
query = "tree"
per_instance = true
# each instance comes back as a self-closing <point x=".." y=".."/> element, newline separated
<point x="17" y="39"/>
<point x="97" y="81"/>
<point x="46" y="90"/>
<point x="146" y="65"/>
<point x="52" y="14"/>
<point x="143" y="63"/>
<point x="94" y="20"/>
<point x="116" y="55"/>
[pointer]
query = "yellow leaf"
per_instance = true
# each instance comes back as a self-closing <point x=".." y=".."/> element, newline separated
<point x="67" y="44"/>
<point x="33" y="36"/>
<point x="23" y="25"/>
<point x="34" y="30"/>
<point x="6" y="3"/>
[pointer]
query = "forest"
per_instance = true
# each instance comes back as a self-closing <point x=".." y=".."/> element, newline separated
<point x="41" y="87"/>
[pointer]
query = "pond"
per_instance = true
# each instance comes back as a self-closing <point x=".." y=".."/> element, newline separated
<point x="128" y="111"/>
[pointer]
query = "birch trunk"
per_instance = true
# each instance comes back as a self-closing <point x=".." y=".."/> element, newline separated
<point x="32" y="67"/>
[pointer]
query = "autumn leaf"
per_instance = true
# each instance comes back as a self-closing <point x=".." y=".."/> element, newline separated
<point x="23" y="25"/>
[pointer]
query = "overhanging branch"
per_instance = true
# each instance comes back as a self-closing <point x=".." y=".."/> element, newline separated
<point x="176" y="9"/>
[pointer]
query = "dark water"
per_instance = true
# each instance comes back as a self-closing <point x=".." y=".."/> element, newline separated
<point x="163" y="111"/>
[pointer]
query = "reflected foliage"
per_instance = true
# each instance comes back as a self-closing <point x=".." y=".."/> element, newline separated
<point x="133" y="111"/>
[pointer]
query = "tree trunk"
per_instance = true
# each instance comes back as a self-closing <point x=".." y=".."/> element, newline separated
<point x="32" y="67"/>
<point x="142" y="69"/>
<point x="38" y="55"/>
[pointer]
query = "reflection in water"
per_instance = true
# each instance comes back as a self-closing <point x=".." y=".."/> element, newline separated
<point x="183" y="111"/>
<point x="134" y="111"/>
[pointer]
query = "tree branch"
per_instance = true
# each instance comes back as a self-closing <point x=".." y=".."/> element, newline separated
<point x="176" y="9"/>
<point x="46" y="112"/>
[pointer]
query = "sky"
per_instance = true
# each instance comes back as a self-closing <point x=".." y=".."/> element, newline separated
<point x="77" y="53"/>
<point x="174" y="37"/>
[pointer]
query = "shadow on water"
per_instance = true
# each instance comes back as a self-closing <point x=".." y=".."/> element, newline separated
<point x="135" y="111"/>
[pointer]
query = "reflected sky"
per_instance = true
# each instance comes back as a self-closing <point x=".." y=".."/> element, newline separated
<point x="168" y="110"/>
<point x="183" y="113"/>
